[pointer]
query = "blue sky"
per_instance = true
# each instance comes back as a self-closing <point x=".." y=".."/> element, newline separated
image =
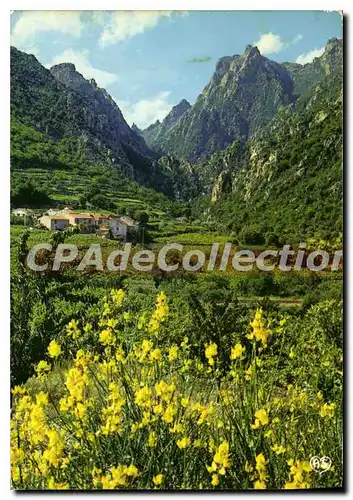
<point x="149" y="61"/>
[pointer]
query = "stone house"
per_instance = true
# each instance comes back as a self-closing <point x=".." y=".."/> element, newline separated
<point x="123" y="226"/>
<point x="23" y="212"/>
<point x="54" y="222"/>
<point x="87" y="221"/>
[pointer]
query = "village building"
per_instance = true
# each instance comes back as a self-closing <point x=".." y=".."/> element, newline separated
<point x="52" y="212"/>
<point x="123" y="226"/>
<point x="23" y="212"/>
<point x="85" y="221"/>
<point x="102" y="224"/>
<point x="100" y="219"/>
<point x="54" y="222"/>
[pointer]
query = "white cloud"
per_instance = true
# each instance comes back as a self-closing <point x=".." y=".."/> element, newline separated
<point x="146" y="111"/>
<point x="80" y="60"/>
<point x="308" y="57"/>
<point x="32" y="22"/>
<point x="269" y="43"/>
<point x="125" y="24"/>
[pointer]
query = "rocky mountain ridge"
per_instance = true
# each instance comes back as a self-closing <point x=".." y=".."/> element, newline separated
<point x="61" y="103"/>
<point x="155" y="132"/>
<point x="243" y="95"/>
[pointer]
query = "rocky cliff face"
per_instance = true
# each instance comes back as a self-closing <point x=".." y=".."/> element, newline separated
<point x="155" y="133"/>
<point x="222" y="186"/>
<point x="175" y="114"/>
<point x="306" y="76"/>
<point x="183" y="176"/>
<point x="288" y="178"/>
<point x="101" y="114"/>
<point x="243" y="95"/>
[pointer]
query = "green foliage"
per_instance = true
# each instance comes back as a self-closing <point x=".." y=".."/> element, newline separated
<point x="115" y="386"/>
<point x="292" y="189"/>
<point x="25" y="194"/>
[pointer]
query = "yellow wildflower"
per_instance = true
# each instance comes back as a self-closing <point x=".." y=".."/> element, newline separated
<point x="169" y="414"/>
<point x="72" y="329"/>
<point x="42" y="368"/>
<point x="42" y="398"/>
<point x="249" y="372"/>
<point x="327" y="410"/>
<point x="165" y="391"/>
<point x="52" y="485"/>
<point x="177" y="428"/>
<point x="299" y="474"/>
<point x="156" y="355"/>
<point x="221" y="459"/>
<point x="18" y="389"/>
<point x="54" y="349"/>
<point x="261" y="418"/>
<point x="56" y="445"/>
<point x="158" y="480"/>
<point x="160" y="313"/>
<point x="120" y="355"/>
<point x="237" y="352"/>
<point x="261" y="472"/>
<point x="260" y="333"/>
<point x="152" y="440"/>
<point x="107" y="337"/>
<point x="143" y="397"/>
<point x="184" y="442"/>
<point x="75" y="382"/>
<point x="132" y="471"/>
<point x="259" y="485"/>
<point x="211" y="352"/>
<point x="173" y="353"/>
<point x="278" y="449"/>
<point x="184" y="401"/>
<point x="215" y="480"/>
<point x="117" y="296"/>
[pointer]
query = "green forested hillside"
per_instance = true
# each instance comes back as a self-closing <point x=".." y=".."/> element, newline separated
<point x="45" y="172"/>
<point x="76" y="119"/>
<point x="288" y="182"/>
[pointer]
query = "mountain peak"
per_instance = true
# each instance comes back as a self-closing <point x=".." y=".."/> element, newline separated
<point x="179" y="109"/>
<point x="66" y="73"/>
<point x="251" y="51"/>
<point x="176" y="113"/>
<point x="334" y="44"/>
<point x="231" y="106"/>
<point x="333" y="41"/>
<point x="135" y="128"/>
<point x="184" y="102"/>
<point x="65" y="66"/>
<point x="159" y="129"/>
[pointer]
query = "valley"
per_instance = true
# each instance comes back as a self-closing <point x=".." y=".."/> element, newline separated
<point x="187" y="380"/>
